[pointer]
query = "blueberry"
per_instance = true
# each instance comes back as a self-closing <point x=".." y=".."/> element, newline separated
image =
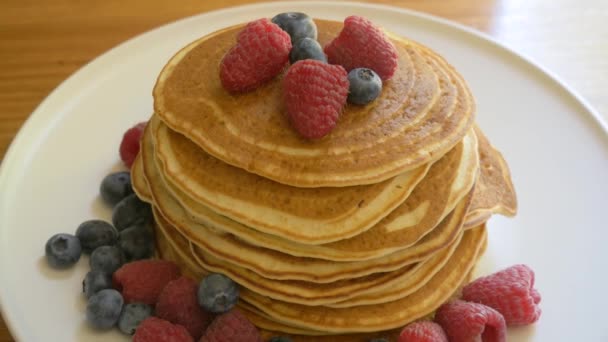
<point x="217" y="293"/>
<point x="280" y="339"/>
<point x="131" y="211"/>
<point x="365" y="86"/>
<point x="298" y="25"/>
<point x="62" y="250"/>
<point x="306" y="48"/>
<point x="104" y="308"/>
<point x="95" y="281"/>
<point x="137" y="242"/>
<point x="96" y="233"/>
<point x="106" y="259"/>
<point x="132" y="315"/>
<point x="115" y="186"/>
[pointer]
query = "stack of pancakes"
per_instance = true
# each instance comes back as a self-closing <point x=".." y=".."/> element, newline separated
<point x="365" y="230"/>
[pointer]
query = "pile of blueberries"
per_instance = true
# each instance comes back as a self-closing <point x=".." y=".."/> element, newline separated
<point x="365" y="84"/>
<point x="130" y="237"/>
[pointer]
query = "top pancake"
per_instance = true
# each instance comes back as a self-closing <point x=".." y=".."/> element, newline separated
<point x="422" y="112"/>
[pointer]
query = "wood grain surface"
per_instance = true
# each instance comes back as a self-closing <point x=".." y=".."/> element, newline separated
<point x="43" y="42"/>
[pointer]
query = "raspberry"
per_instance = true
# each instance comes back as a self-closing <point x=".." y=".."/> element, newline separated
<point x="231" y="326"/>
<point x="142" y="281"/>
<point x="261" y="52"/>
<point x="178" y="304"/>
<point x="424" y="331"/>
<point x="315" y="93"/>
<point x="361" y="44"/>
<point x="465" y="321"/>
<point x="158" y="330"/>
<point x="129" y="146"/>
<point x="509" y="292"/>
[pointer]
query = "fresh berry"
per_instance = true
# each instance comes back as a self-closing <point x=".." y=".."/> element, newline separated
<point x="297" y="25"/>
<point x="129" y="146"/>
<point x="261" y="52"/>
<point x="178" y="304"/>
<point x="137" y="242"/>
<point x="131" y="211"/>
<point x="115" y="187"/>
<point x="231" y="326"/>
<point x="365" y="86"/>
<point x="62" y="250"/>
<point x="104" y="308"/>
<point x="361" y="44"/>
<point x="306" y="48"/>
<point x="510" y="292"/>
<point x="466" y="321"/>
<point x="315" y="93"/>
<point x="132" y="315"/>
<point x="423" y="331"/>
<point x="154" y="329"/>
<point x="280" y="339"/>
<point x="106" y="259"/>
<point x="95" y="233"/>
<point x="142" y="281"/>
<point x="217" y="293"/>
<point x="95" y="281"/>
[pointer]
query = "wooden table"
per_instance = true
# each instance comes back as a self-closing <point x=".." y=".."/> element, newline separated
<point x="43" y="42"/>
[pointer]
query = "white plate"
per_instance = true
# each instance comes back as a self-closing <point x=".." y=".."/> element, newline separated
<point x="557" y="151"/>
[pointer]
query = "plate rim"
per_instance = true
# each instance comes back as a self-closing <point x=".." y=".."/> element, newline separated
<point x="37" y="121"/>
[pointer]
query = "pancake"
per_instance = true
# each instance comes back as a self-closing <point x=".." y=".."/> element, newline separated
<point x="138" y="180"/>
<point x="422" y="112"/>
<point x="175" y="253"/>
<point x="384" y="316"/>
<point x="314" y="216"/>
<point x="407" y="279"/>
<point x="494" y="193"/>
<point x="379" y="286"/>
<point x="446" y="183"/>
<point x="276" y="265"/>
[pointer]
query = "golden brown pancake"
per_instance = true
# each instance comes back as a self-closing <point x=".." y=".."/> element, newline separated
<point x="494" y="193"/>
<point x="438" y="194"/>
<point x="422" y="112"/>
<point x="305" y="215"/>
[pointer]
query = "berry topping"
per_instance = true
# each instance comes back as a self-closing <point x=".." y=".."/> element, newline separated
<point x="465" y="321"/>
<point x="129" y="146"/>
<point x="95" y="281"/>
<point x="315" y="94"/>
<point x="423" y="331"/>
<point x="261" y="52"/>
<point x="137" y="242"/>
<point x="106" y="259"/>
<point x="178" y="304"/>
<point x="217" y="293"/>
<point x="365" y="86"/>
<point x="95" y="233"/>
<point x="62" y="250"/>
<point x="510" y="292"/>
<point x="132" y="315"/>
<point x="307" y="48"/>
<point x="231" y="326"/>
<point x="158" y="330"/>
<point x="361" y="44"/>
<point x="115" y="186"/>
<point x="103" y="309"/>
<point x="297" y="25"/>
<point x="131" y="211"/>
<point x="142" y="281"/>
